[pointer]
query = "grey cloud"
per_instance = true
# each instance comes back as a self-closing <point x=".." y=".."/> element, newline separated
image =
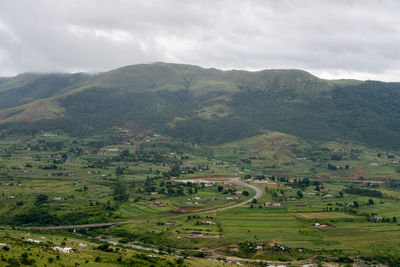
<point x="335" y="39"/>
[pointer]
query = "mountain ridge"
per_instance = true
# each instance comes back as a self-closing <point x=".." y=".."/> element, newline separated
<point x="204" y="105"/>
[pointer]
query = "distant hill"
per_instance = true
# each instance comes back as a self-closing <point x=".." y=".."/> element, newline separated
<point x="203" y="105"/>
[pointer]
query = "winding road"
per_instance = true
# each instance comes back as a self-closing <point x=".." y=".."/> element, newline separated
<point x="108" y="224"/>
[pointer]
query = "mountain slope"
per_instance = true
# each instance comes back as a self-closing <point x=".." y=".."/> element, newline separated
<point x="26" y="88"/>
<point x="204" y="105"/>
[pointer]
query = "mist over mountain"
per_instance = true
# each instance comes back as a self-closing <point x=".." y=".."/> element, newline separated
<point x="207" y="106"/>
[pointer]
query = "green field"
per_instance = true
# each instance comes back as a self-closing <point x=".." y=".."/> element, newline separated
<point x="166" y="188"/>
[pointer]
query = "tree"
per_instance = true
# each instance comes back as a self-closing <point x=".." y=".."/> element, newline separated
<point x="371" y="201"/>
<point x="245" y="193"/>
<point x="121" y="192"/>
<point x="355" y="204"/>
<point x="40" y="199"/>
<point x="220" y="188"/>
<point x="125" y="153"/>
<point x="175" y="170"/>
<point x="119" y="171"/>
<point x="299" y="194"/>
<point x="306" y="182"/>
<point x="25" y="260"/>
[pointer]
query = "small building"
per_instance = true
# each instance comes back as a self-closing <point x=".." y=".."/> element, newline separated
<point x="33" y="241"/>
<point x="170" y="223"/>
<point x="376" y="218"/>
<point x="82" y="245"/>
<point x="317" y="225"/>
<point x="195" y="234"/>
<point x="206" y="223"/>
<point x="63" y="250"/>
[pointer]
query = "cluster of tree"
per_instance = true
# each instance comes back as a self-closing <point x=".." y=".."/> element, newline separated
<point x="336" y="157"/>
<point x="301" y="183"/>
<point x="48" y="167"/>
<point x="121" y="192"/>
<point x="334" y="167"/>
<point x="23" y="259"/>
<point x="98" y="163"/>
<point x="363" y="192"/>
<point x="141" y="156"/>
<point x="42" y="217"/>
<point x="375" y="218"/>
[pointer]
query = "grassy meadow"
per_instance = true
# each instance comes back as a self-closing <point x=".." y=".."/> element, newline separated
<point x="338" y="201"/>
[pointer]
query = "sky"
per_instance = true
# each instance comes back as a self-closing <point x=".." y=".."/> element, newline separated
<point x="332" y="39"/>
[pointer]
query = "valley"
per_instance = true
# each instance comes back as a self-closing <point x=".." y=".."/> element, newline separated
<point x="270" y="198"/>
<point x="177" y="165"/>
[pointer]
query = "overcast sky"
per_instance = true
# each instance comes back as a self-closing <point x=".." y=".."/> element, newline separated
<point x="331" y="39"/>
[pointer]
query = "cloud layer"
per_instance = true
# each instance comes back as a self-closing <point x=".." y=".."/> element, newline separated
<point x="332" y="39"/>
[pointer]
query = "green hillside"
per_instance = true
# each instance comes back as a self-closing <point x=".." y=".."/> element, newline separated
<point x="203" y="105"/>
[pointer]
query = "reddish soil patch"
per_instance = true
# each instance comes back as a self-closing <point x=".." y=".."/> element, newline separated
<point x="176" y="211"/>
<point x="137" y="148"/>
<point x="322" y="176"/>
<point x="323" y="226"/>
<point x="204" y="236"/>
<point x="34" y="112"/>
<point x="358" y="173"/>
<point x="211" y="176"/>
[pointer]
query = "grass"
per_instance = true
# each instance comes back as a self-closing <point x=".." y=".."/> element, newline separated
<point x="290" y="226"/>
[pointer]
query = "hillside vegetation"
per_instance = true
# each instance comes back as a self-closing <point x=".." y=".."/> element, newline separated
<point x="205" y="106"/>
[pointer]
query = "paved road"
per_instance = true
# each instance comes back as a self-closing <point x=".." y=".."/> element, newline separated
<point x="108" y="224"/>
<point x="237" y="181"/>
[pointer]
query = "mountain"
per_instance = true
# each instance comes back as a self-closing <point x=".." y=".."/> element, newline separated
<point x="203" y="105"/>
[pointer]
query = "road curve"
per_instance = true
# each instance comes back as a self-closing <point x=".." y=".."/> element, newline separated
<point x="237" y="181"/>
<point x="108" y="224"/>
